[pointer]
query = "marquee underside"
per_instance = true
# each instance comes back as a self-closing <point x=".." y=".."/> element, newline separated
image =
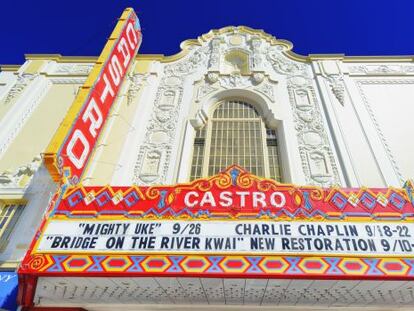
<point x="93" y="293"/>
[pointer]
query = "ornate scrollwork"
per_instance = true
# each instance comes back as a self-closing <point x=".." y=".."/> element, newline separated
<point x="318" y="163"/>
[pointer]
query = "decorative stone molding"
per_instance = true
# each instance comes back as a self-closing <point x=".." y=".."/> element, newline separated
<point x="336" y="82"/>
<point x="235" y="80"/>
<point x="387" y="148"/>
<point x="73" y="69"/>
<point x="22" y="81"/>
<point x="256" y="82"/>
<point x="214" y="62"/>
<point x="187" y="65"/>
<point x="212" y="77"/>
<point x="284" y="65"/>
<point x="153" y="158"/>
<point x="381" y="70"/>
<point x="22" y="176"/>
<point x="24" y="115"/>
<point x="204" y="90"/>
<point x="256" y="58"/>
<point x="258" y="77"/>
<point x="267" y="90"/>
<point x="67" y="80"/>
<point x="318" y="163"/>
<point x="154" y="153"/>
<point x="137" y="81"/>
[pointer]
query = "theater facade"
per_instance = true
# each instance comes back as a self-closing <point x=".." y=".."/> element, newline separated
<point x="235" y="172"/>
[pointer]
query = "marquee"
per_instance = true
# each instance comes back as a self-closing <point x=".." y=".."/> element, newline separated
<point x="126" y="231"/>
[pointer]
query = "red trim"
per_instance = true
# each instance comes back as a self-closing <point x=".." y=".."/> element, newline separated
<point x="52" y="309"/>
<point x="227" y="276"/>
<point x="27" y="288"/>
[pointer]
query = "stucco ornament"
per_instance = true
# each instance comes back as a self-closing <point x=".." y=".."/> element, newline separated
<point x="154" y="154"/>
<point x="137" y="81"/>
<point x="21" y="176"/>
<point x="234" y="80"/>
<point x="383" y="70"/>
<point x="336" y="84"/>
<point x="73" y="69"/>
<point x="318" y="162"/>
<point x="22" y="81"/>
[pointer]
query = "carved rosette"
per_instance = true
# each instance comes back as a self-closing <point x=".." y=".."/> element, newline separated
<point x="318" y="163"/>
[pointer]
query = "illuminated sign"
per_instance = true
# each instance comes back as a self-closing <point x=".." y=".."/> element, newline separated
<point x="72" y="145"/>
<point x="231" y="213"/>
<point x="227" y="237"/>
<point x="238" y="194"/>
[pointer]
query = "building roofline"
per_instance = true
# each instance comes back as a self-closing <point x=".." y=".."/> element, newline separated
<point x="187" y="44"/>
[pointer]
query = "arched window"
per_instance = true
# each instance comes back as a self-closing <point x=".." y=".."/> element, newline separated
<point x="236" y="134"/>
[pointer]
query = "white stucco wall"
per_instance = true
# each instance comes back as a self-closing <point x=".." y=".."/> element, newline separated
<point x="353" y="113"/>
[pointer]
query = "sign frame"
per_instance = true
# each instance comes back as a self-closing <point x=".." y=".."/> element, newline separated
<point x="93" y="103"/>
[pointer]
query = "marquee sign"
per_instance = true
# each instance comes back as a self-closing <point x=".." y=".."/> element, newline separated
<point x="72" y="145"/>
<point x="230" y="224"/>
<point x="228" y="237"/>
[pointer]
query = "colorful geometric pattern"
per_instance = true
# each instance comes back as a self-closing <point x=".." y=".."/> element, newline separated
<point x="166" y="202"/>
<point x="246" y="266"/>
<point x="301" y="202"/>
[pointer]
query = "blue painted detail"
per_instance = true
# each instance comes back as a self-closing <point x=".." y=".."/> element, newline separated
<point x="293" y="269"/>
<point x="103" y="198"/>
<point x="397" y="200"/>
<point x="57" y="267"/>
<point x="308" y="204"/>
<point x="8" y="290"/>
<point x="161" y="202"/>
<point x="264" y="213"/>
<point x="254" y="268"/>
<point x="202" y="213"/>
<point x="372" y="264"/>
<point x="409" y="190"/>
<point x="96" y="266"/>
<point x="75" y="198"/>
<point x="175" y="267"/>
<point x="234" y="173"/>
<point x="410" y="263"/>
<point x="333" y="266"/>
<point x="136" y="261"/>
<point x="131" y="198"/>
<point x="368" y="200"/>
<point x="215" y="268"/>
<point x="339" y="200"/>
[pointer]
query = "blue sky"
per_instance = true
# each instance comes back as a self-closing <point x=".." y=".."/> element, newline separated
<point x="75" y="27"/>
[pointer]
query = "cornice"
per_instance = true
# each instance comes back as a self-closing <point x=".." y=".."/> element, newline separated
<point x="188" y="44"/>
<point x="62" y="59"/>
<point x="12" y="68"/>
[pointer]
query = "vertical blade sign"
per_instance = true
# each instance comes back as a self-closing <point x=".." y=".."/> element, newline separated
<point x="73" y="143"/>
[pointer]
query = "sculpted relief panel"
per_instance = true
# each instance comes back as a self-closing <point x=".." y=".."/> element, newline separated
<point x="318" y="161"/>
<point x="154" y="154"/>
<point x="234" y="59"/>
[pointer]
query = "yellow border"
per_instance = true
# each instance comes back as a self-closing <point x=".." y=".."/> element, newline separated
<point x="50" y="155"/>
